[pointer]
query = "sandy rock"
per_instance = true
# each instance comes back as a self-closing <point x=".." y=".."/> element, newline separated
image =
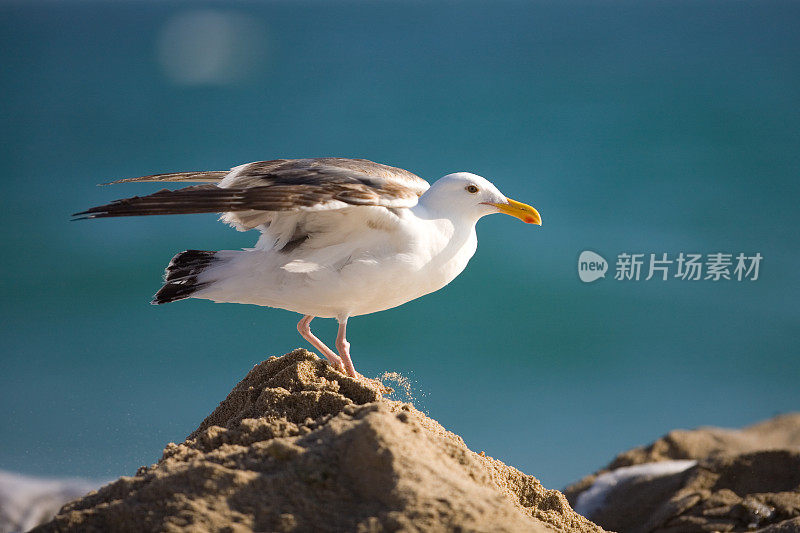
<point x="297" y="446"/>
<point x="743" y="480"/>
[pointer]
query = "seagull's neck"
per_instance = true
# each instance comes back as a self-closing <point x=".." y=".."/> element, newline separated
<point x="451" y="239"/>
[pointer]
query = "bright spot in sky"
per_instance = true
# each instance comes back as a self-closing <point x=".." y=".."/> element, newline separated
<point x="209" y="47"/>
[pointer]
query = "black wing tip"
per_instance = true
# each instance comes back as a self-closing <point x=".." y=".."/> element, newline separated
<point x="88" y="214"/>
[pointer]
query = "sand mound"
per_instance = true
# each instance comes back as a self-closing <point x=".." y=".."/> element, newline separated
<point x="741" y="480"/>
<point x="297" y="446"/>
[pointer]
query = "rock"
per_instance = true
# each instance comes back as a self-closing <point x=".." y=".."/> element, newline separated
<point x="736" y="480"/>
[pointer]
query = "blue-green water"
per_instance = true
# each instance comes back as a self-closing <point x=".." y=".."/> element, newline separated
<point x="633" y="127"/>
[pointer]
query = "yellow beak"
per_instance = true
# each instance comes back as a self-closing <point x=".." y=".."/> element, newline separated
<point x="524" y="212"/>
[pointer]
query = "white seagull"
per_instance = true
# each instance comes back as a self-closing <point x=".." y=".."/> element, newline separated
<point x="339" y="237"/>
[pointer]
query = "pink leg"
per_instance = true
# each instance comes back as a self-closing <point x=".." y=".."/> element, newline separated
<point x="304" y="327"/>
<point x="344" y="348"/>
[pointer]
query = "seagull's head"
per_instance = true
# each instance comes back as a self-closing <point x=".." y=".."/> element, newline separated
<point x="477" y="197"/>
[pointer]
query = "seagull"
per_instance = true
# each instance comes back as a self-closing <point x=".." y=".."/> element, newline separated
<point x="339" y="237"/>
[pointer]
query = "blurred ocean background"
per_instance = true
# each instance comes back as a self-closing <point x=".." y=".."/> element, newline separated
<point x="646" y="127"/>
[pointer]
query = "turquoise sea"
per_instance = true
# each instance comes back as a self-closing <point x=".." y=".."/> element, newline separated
<point x="633" y="127"/>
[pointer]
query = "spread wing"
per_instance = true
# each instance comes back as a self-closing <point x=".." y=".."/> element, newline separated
<point x="279" y="196"/>
<point x="271" y="186"/>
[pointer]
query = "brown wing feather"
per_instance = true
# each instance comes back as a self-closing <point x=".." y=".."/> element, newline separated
<point x="273" y="186"/>
<point x="214" y="199"/>
<point x="322" y="170"/>
<point x="210" y="176"/>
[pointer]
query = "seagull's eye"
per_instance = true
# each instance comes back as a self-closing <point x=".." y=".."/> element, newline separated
<point x="472" y="189"/>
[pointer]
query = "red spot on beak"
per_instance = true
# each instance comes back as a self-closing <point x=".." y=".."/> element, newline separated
<point x="530" y="220"/>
